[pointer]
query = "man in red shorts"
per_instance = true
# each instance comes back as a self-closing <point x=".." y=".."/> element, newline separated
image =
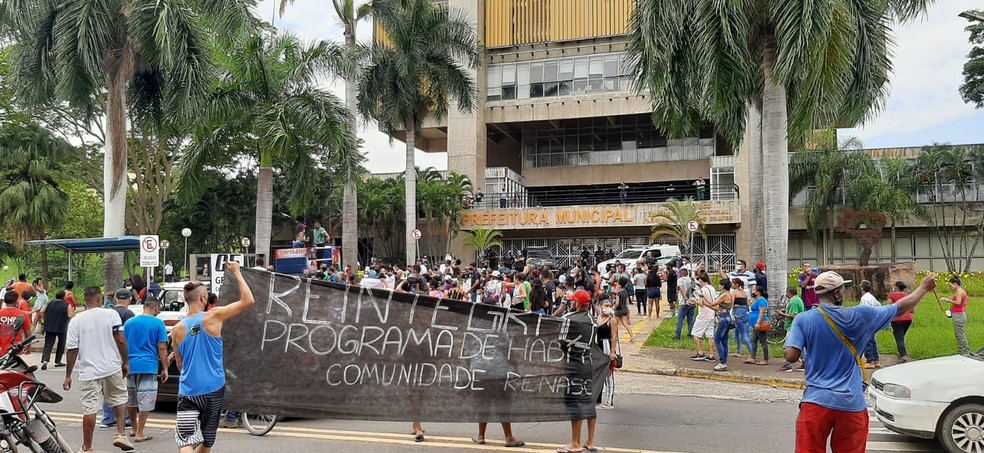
<point x="834" y="405"/>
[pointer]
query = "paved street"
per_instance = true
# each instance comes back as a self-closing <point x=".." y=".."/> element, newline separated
<point x="654" y="413"/>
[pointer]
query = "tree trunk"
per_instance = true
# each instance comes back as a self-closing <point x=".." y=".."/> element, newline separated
<point x="776" y="165"/>
<point x="411" y="191"/>
<point x="44" y="266"/>
<point x="114" y="179"/>
<point x="264" y="207"/>
<point x="895" y="256"/>
<point x="350" y="195"/>
<point x="754" y="189"/>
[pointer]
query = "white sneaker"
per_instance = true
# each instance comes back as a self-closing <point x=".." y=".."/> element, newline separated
<point x="720" y="367"/>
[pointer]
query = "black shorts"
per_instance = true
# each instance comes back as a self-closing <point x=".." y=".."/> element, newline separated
<point x="198" y="419"/>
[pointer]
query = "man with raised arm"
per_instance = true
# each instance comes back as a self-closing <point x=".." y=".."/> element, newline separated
<point x="197" y="342"/>
<point x="834" y="409"/>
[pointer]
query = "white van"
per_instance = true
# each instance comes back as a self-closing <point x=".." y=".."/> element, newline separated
<point x="663" y="253"/>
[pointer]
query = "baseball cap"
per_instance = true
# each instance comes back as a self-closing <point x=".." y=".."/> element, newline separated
<point x="581" y="297"/>
<point x="123" y="294"/>
<point x="829" y="281"/>
<point x="760" y="265"/>
<point x="496" y="274"/>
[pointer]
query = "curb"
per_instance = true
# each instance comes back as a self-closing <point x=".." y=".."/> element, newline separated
<point x="722" y="377"/>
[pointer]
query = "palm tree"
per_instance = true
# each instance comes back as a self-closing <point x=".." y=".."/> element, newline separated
<point x="94" y="54"/>
<point x="268" y="91"/>
<point x="414" y="72"/>
<point x="31" y="201"/>
<point x="482" y="239"/>
<point x="674" y="221"/>
<point x="349" y="14"/>
<point x="892" y="191"/>
<point x="790" y="66"/>
<point x="826" y="175"/>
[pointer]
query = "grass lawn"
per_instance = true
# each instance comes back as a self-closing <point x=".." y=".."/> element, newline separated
<point x="931" y="334"/>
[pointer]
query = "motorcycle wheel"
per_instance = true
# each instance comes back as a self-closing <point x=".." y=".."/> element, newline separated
<point x="259" y="424"/>
<point x="8" y="444"/>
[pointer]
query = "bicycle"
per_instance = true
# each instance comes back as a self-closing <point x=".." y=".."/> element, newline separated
<point x="778" y="333"/>
<point x="256" y="424"/>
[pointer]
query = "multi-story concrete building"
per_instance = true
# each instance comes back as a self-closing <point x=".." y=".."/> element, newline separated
<point x="567" y="156"/>
<point x="560" y="135"/>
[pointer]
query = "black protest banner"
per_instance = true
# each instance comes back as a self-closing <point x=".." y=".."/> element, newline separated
<point x="314" y="349"/>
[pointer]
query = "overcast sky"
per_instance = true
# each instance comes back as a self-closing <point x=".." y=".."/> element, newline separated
<point x="925" y="104"/>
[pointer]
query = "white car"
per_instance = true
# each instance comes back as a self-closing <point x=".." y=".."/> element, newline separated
<point x="173" y="306"/>
<point x="629" y="257"/>
<point x="940" y="398"/>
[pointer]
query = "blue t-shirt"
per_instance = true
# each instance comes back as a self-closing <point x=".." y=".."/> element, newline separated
<point x="143" y="333"/>
<point x="755" y="310"/>
<point x="833" y="378"/>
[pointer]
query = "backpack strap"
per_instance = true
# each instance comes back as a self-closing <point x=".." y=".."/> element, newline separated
<point x="847" y="342"/>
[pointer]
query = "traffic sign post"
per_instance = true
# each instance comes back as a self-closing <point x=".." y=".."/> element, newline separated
<point x="165" y="244"/>
<point x="150" y="251"/>
<point x="693" y="226"/>
<point x="416" y="234"/>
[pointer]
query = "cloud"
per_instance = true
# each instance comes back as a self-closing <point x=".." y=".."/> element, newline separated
<point x="315" y="19"/>
<point x="925" y="100"/>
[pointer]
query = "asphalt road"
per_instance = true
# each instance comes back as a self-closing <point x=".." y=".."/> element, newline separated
<point x="653" y="413"/>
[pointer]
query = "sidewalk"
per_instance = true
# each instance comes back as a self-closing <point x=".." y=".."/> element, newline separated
<point x="676" y="362"/>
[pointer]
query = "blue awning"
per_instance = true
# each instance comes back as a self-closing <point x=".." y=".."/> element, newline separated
<point x="93" y="245"/>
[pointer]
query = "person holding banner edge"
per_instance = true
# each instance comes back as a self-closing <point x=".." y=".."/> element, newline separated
<point x="198" y="350"/>
<point x="579" y="355"/>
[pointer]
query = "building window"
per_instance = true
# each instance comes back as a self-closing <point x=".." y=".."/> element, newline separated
<point x="558" y="77"/>
<point x="595" y="141"/>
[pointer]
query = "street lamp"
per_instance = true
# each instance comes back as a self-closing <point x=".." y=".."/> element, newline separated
<point x="970" y="15"/>
<point x="245" y="242"/>
<point x="187" y="234"/>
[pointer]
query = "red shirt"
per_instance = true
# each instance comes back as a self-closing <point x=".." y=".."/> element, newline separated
<point x="895" y="298"/>
<point x="70" y="298"/>
<point x="9" y="318"/>
<point x="962" y="308"/>
<point x="24" y="305"/>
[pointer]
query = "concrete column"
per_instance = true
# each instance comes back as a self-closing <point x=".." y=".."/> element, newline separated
<point x="745" y="237"/>
<point x="466" y="130"/>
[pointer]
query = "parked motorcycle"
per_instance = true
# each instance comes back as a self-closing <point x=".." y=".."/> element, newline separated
<point x="25" y="424"/>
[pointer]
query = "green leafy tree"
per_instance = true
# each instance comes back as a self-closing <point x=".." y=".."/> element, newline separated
<point x="32" y="202"/>
<point x="892" y="191"/>
<point x="349" y="13"/>
<point x="673" y="220"/>
<point x="972" y="89"/>
<point x="481" y="239"/>
<point x="95" y="55"/>
<point x="775" y="69"/>
<point x="948" y="175"/>
<point x="412" y="71"/>
<point x="825" y="174"/>
<point x="268" y="91"/>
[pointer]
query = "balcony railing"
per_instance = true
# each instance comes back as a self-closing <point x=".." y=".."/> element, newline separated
<point x="533" y="198"/>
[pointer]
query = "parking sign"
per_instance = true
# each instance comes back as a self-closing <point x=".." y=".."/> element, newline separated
<point x="150" y="251"/>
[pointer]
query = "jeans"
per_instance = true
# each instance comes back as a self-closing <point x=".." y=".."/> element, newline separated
<point x="640" y="295"/>
<point x="50" y="340"/>
<point x="899" y="331"/>
<point x="871" y="351"/>
<point x="760" y="338"/>
<point x="960" y="330"/>
<point x="743" y="329"/>
<point x="721" y="337"/>
<point x="109" y="416"/>
<point x="686" y="312"/>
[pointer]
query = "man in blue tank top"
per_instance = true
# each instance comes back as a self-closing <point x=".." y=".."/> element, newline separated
<point x="197" y="341"/>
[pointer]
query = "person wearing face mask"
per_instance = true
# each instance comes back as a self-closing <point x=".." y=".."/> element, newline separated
<point x="834" y="410"/>
<point x="609" y="344"/>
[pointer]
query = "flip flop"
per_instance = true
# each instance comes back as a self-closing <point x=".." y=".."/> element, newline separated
<point x="589" y="449"/>
<point x="480" y="442"/>
<point x="749" y="361"/>
<point x="418" y="438"/>
<point x="564" y="450"/>
<point x="120" y="442"/>
<point x="518" y="443"/>
<point x="144" y="439"/>
<point x="761" y="363"/>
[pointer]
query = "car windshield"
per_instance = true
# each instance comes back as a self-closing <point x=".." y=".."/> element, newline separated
<point x="538" y="253"/>
<point x="631" y="253"/>
<point x="172" y="296"/>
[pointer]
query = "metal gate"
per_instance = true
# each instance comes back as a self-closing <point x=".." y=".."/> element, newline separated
<point x="568" y="250"/>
